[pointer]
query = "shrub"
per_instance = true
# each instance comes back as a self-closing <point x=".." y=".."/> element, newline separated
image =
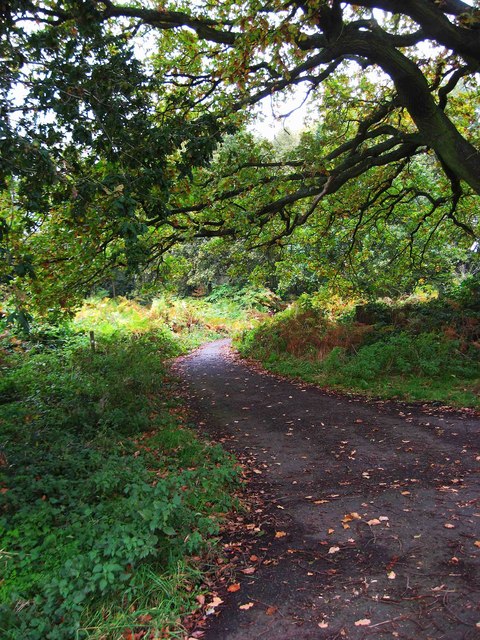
<point x="101" y="485"/>
<point x="433" y="345"/>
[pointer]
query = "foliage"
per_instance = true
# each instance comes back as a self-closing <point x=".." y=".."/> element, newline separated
<point x="106" y="492"/>
<point x="186" y="321"/>
<point x="419" y="349"/>
<point x="112" y="113"/>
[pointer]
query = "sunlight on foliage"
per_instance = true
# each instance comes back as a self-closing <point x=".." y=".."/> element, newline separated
<point x="189" y="321"/>
<point x="419" y="348"/>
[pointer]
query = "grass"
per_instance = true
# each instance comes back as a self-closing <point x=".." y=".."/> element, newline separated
<point x="421" y="351"/>
<point x="108" y="498"/>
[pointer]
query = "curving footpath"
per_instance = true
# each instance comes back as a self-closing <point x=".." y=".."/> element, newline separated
<point x="368" y="523"/>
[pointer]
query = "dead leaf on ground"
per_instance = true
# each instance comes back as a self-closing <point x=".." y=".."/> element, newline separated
<point x="145" y="618"/>
<point x="374" y="522"/>
<point x="477" y="543"/>
<point x="348" y="517"/>
<point x="216" y="601"/>
<point x="271" y="610"/>
<point x="323" y="624"/>
<point x="280" y="534"/>
<point x="248" y="571"/>
<point x="364" y="622"/>
<point x="234" y="587"/>
<point x="246" y="606"/>
<point x="334" y="550"/>
<point x="449" y="525"/>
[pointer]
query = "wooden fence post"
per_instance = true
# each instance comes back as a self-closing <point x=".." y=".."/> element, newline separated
<point x="92" y="341"/>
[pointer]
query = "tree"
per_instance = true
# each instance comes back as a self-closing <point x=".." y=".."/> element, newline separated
<point x="106" y="138"/>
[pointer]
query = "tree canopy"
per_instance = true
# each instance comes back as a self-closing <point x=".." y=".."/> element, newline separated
<point x="112" y="112"/>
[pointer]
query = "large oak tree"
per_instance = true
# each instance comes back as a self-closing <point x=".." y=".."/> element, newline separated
<point x="109" y="110"/>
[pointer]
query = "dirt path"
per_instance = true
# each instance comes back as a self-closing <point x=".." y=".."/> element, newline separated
<point x="368" y="522"/>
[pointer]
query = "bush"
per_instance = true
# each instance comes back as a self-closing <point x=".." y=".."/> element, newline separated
<point x="431" y="345"/>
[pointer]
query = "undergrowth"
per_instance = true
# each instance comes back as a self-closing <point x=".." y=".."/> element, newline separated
<point x="105" y="492"/>
<point x="190" y="321"/>
<point x="412" y="349"/>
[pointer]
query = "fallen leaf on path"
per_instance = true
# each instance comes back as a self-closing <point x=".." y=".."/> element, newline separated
<point x="348" y="518"/>
<point x="234" y="587"/>
<point x="364" y="622"/>
<point x="271" y="610"/>
<point x="392" y="563"/>
<point x="248" y="571"/>
<point x="391" y="575"/>
<point x="323" y="625"/>
<point x="477" y="543"/>
<point x="247" y="606"/>
<point x="215" y="602"/>
<point x="449" y="525"/>
<point x="213" y="605"/>
<point x="334" y="550"/>
<point x="280" y="534"/>
<point x="253" y="558"/>
<point x="330" y="531"/>
<point x="374" y="522"/>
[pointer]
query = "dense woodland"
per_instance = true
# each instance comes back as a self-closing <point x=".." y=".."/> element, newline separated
<point x="133" y="172"/>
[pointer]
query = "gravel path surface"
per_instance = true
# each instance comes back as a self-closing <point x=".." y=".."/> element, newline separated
<point x="368" y="522"/>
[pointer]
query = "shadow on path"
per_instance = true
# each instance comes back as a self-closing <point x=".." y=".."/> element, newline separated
<point x="374" y="508"/>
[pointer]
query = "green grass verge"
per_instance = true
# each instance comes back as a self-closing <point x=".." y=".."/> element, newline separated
<point x="106" y="494"/>
<point x="425" y="367"/>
